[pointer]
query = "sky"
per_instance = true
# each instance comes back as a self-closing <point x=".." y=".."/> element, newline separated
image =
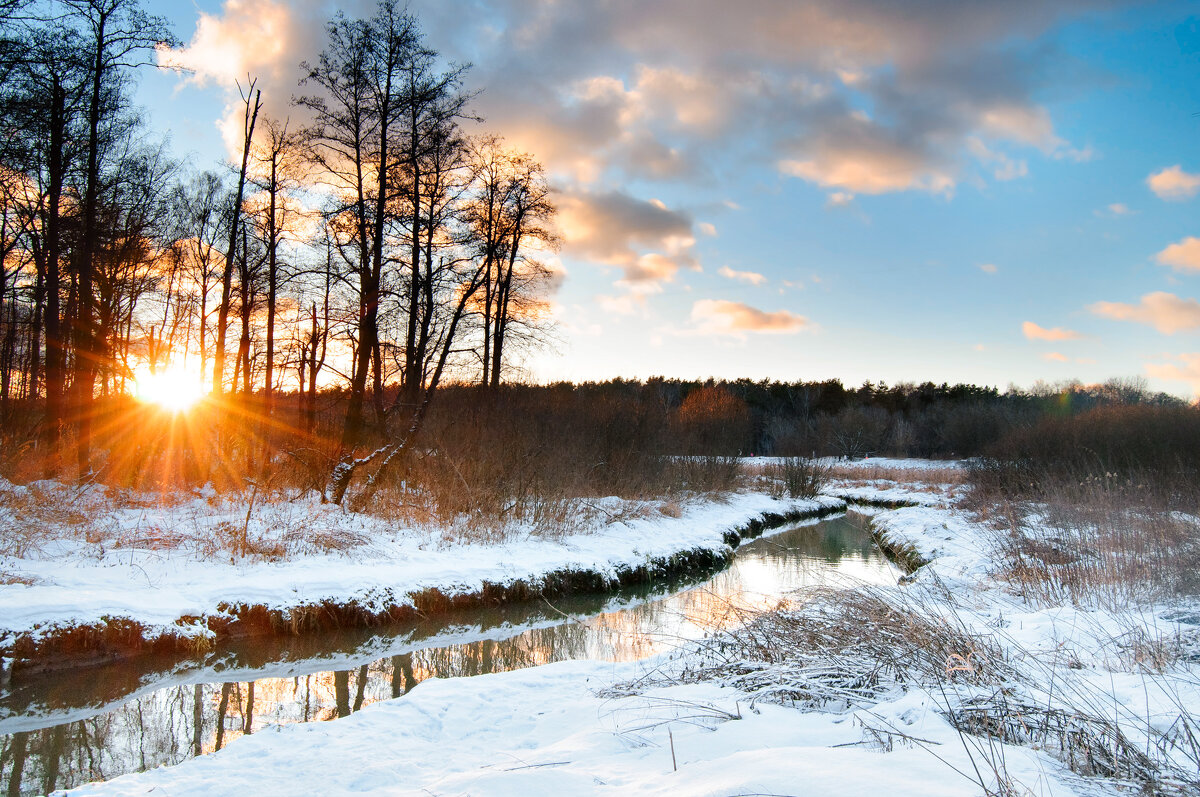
<point x="943" y="190"/>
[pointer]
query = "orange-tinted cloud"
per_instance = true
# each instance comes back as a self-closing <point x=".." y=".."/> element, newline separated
<point x="1187" y="370"/>
<point x="248" y="36"/>
<point x="1035" y="332"/>
<point x="1174" y="184"/>
<point x="752" y="277"/>
<point x="721" y="316"/>
<point x="646" y="239"/>
<point x="855" y="154"/>
<point x="1054" y="356"/>
<point x="585" y="87"/>
<point x="1182" y="256"/>
<point x="1165" y="312"/>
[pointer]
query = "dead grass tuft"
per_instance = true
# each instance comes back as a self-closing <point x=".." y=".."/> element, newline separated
<point x="842" y="649"/>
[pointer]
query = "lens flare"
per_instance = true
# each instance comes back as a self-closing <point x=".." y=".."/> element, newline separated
<point x="176" y="389"/>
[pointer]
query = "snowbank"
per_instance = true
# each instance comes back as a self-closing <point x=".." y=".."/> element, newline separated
<point x="544" y="731"/>
<point x="71" y="584"/>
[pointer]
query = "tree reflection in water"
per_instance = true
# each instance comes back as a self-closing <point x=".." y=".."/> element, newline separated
<point x="170" y="724"/>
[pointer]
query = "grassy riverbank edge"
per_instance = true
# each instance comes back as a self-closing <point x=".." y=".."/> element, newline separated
<point x="50" y="646"/>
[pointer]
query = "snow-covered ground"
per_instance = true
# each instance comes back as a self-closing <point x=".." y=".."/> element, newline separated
<point x="923" y="482"/>
<point x="562" y="728"/>
<point x="148" y="563"/>
<point x="544" y="730"/>
<point x="871" y="463"/>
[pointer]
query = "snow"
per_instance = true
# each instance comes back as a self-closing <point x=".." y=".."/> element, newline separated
<point x="561" y="728"/>
<point x="70" y="581"/>
<point x="871" y="463"/>
<point x="543" y="730"/>
<point x="883" y="481"/>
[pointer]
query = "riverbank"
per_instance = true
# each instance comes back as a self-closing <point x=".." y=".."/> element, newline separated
<point x="111" y="578"/>
<point x="545" y="730"/>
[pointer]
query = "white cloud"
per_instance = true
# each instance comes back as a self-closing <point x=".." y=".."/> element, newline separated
<point x="1003" y="167"/>
<point x="1028" y="124"/>
<point x="987" y="268"/>
<point x="625" y="304"/>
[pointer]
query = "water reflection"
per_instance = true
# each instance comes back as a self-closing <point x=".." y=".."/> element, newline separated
<point x="71" y="728"/>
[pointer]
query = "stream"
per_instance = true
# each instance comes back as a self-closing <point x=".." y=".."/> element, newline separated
<point x="65" y="728"/>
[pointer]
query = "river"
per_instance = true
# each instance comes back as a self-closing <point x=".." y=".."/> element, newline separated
<point x="61" y="729"/>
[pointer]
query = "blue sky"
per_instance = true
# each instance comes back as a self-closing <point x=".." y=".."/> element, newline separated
<point x="807" y="189"/>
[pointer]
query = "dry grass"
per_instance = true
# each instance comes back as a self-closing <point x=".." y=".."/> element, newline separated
<point x="10" y="577"/>
<point x="842" y="649"/>
<point x="1104" y="552"/>
<point x="845" y="650"/>
<point x="488" y="494"/>
<point x="922" y="477"/>
<point x="670" y="509"/>
<point x="251" y="526"/>
<point x="33" y="517"/>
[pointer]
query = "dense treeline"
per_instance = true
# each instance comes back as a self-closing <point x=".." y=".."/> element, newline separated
<point x="374" y="241"/>
<point x="605" y="437"/>
<point x="730" y="417"/>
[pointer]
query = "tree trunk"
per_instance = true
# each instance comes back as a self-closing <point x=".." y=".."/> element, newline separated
<point x="272" y="287"/>
<point x="55" y="354"/>
<point x="86" y="353"/>
<point x="251" y="117"/>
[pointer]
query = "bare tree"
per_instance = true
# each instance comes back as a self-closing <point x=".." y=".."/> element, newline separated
<point x="118" y="36"/>
<point x="358" y="74"/>
<point x="434" y="103"/>
<point x="527" y="214"/>
<point x="253" y="102"/>
<point x="42" y="113"/>
<point x="278" y="159"/>
<point x="198" y="212"/>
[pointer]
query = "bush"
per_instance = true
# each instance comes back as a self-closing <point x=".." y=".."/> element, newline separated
<point x="800" y="478"/>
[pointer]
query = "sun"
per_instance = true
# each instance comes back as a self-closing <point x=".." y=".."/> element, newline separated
<point x="176" y="389"/>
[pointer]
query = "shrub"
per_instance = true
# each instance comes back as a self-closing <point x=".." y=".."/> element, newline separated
<point x="798" y="477"/>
